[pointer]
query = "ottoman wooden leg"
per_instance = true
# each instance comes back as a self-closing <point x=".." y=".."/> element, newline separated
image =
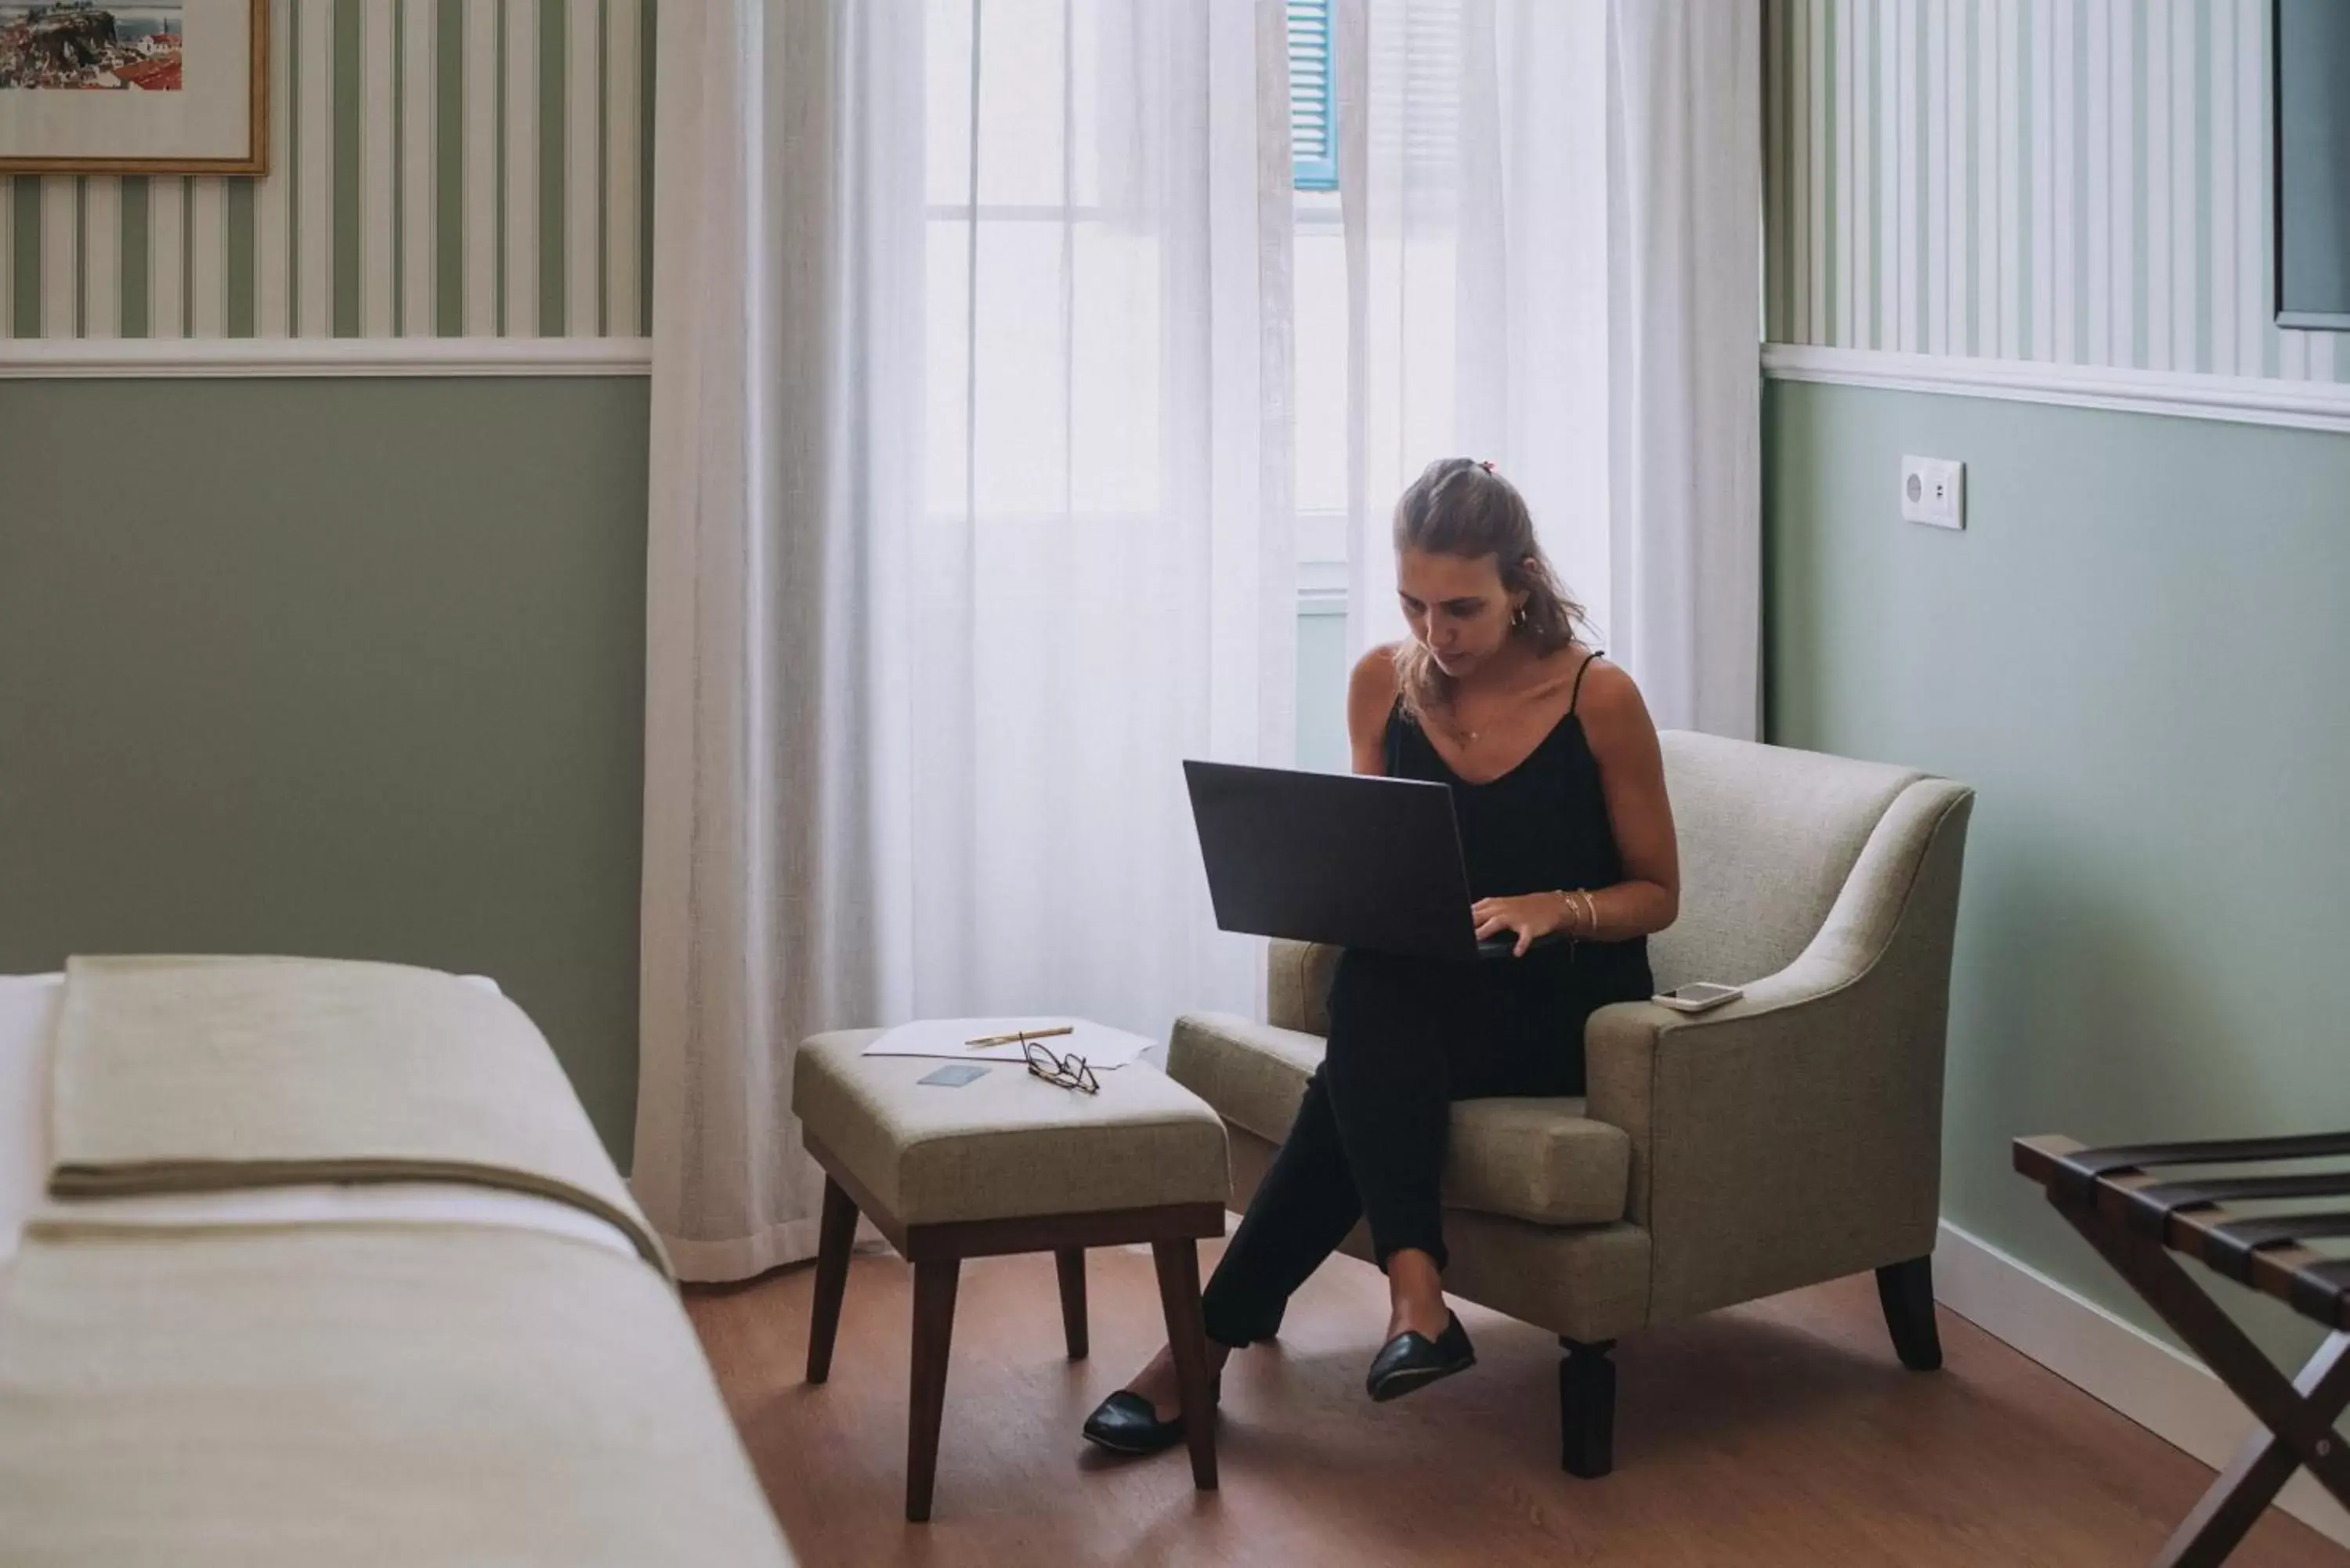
<point x="1187" y="1338"/>
<point x="834" y="1238"/>
<point x="934" y="1304"/>
<point x="1072" y="1263"/>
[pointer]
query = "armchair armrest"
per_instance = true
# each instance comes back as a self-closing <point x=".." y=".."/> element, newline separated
<point x="1298" y="986"/>
<point x="1795" y="1135"/>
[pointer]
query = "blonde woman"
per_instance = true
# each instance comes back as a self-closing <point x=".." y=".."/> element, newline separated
<point x="1559" y="789"/>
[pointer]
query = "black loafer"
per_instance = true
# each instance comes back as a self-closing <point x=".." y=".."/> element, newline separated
<point x="1411" y="1361"/>
<point x="1127" y="1423"/>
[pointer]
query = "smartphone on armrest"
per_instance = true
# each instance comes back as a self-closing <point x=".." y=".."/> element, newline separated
<point x="1698" y="996"/>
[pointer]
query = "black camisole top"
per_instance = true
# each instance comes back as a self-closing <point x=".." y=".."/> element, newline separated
<point x="1540" y="826"/>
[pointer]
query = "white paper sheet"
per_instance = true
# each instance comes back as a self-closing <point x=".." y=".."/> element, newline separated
<point x="1102" y="1047"/>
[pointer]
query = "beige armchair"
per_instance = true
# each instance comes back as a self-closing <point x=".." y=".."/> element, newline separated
<point x="1792" y="1137"/>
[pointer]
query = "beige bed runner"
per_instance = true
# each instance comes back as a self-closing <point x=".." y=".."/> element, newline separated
<point x="389" y="1395"/>
<point x="185" y="1074"/>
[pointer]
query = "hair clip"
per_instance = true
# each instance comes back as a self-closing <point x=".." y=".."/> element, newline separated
<point x="1486" y="464"/>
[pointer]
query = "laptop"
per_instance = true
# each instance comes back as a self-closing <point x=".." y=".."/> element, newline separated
<point x="1344" y="858"/>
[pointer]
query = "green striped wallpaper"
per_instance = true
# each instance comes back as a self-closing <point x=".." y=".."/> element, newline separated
<point x="2080" y="181"/>
<point x="439" y="168"/>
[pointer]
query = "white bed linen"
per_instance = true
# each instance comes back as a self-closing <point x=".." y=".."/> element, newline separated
<point x="28" y="1015"/>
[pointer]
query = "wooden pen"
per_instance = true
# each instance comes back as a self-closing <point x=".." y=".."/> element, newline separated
<point x="1020" y="1037"/>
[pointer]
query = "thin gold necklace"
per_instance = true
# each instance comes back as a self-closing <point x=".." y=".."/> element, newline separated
<point x="1461" y="735"/>
<point x="1460" y="732"/>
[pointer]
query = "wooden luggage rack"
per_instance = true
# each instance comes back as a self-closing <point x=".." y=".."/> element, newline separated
<point x="2136" y="1220"/>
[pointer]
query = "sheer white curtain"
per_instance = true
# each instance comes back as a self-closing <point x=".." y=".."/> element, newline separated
<point x="1685" y="396"/>
<point x="970" y="521"/>
<point x="1553" y="217"/>
<point x="1474" y="178"/>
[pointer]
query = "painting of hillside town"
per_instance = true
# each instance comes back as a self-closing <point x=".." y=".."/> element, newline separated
<point x="89" y="44"/>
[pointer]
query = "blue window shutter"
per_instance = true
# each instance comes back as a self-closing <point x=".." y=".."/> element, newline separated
<point x="1313" y="97"/>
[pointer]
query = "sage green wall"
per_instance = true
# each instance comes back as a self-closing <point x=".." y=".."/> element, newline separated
<point x="341" y="667"/>
<point x="2139" y="654"/>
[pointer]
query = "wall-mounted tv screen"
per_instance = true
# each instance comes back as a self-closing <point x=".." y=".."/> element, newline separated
<point x="2313" y="163"/>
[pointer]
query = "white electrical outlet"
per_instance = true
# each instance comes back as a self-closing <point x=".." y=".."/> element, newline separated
<point x="1934" y="491"/>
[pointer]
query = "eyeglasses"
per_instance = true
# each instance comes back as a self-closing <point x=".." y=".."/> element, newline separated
<point x="1068" y="1072"/>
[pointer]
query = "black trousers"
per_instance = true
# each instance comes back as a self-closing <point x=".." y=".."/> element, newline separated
<point x="1407" y="1037"/>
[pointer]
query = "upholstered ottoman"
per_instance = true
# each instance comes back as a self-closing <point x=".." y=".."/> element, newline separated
<point x="1008" y="1163"/>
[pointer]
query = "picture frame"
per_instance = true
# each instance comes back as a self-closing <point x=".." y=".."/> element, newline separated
<point x="2309" y="167"/>
<point x="134" y="87"/>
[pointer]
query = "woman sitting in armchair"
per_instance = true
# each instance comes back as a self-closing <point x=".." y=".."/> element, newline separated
<point x="1559" y="789"/>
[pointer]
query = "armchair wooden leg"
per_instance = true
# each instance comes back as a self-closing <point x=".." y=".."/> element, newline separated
<point x="1071" y="1262"/>
<point x="1587" y="1408"/>
<point x="1906" y="1291"/>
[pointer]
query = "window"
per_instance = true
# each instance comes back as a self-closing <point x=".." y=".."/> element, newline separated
<point x="1318" y="264"/>
<point x="1318" y="307"/>
<point x="1313" y="97"/>
<point x="1045" y="307"/>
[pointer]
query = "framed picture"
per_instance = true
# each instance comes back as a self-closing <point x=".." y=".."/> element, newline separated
<point x="134" y="87"/>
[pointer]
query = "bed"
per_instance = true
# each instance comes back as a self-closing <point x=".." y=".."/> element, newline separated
<point x="304" y="1263"/>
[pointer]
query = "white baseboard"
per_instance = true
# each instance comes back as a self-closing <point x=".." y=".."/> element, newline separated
<point x="122" y="359"/>
<point x="2237" y="400"/>
<point x="2169" y="1393"/>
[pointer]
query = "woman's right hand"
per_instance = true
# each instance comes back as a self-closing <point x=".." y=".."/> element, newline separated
<point x="1531" y="915"/>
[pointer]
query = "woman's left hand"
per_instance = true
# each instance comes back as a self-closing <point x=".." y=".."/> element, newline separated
<point x="1531" y="915"/>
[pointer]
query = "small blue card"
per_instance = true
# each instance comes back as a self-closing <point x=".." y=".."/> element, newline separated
<point x="955" y="1076"/>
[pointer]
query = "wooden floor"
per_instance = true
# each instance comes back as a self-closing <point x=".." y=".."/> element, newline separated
<point x="1782" y="1433"/>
